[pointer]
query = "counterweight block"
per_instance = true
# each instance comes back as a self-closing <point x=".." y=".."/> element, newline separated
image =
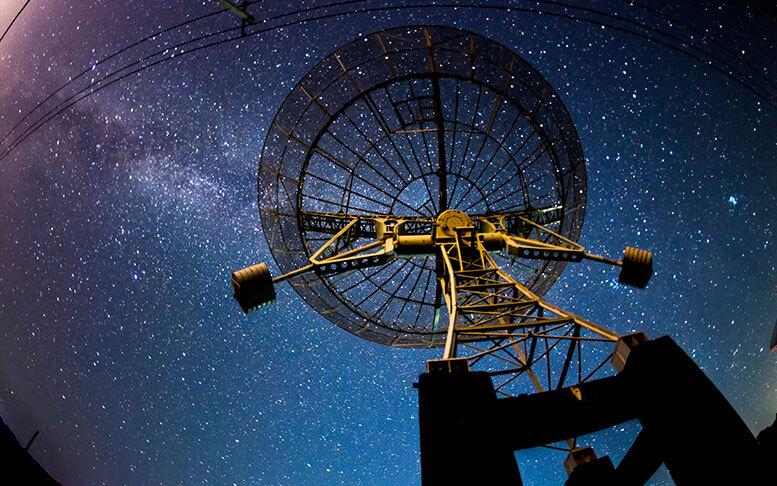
<point x="636" y="268"/>
<point x="253" y="287"/>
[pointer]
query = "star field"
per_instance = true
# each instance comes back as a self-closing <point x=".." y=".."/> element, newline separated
<point x="123" y="217"/>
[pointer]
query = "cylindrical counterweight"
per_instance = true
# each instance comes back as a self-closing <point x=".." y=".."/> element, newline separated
<point x="637" y="267"/>
<point x="253" y="287"/>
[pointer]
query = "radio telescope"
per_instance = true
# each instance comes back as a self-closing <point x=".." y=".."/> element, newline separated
<point x="424" y="187"/>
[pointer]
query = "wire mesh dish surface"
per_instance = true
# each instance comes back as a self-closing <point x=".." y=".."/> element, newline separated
<point x="359" y="135"/>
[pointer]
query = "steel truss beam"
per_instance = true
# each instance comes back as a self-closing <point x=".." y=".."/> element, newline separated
<point x="494" y="321"/>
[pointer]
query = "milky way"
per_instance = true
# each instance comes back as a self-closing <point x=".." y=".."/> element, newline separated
<point x="123" y="217"/>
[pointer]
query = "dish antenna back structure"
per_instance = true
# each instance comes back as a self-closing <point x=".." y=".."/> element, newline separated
<point x="423" y="187"/>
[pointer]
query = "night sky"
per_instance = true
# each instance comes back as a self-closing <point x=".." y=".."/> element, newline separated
<point x="122" y="218"/>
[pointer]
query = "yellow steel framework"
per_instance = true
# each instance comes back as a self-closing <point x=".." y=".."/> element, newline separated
<point x="491" y="316"/>
<point x="424" y="187"/>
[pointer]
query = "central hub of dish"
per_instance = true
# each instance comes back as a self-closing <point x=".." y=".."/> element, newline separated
<point x="449" y="220"/>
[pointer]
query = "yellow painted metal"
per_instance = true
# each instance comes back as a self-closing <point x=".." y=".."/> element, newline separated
<point x="448" y="221"/>
<point x="414" y="245"/>
<point x="490" y="314"/>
